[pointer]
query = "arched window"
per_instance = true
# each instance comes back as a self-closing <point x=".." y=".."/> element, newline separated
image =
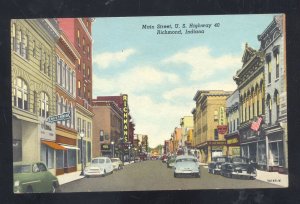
<point x="61" y="103"/>
<point x="44" y="105"/>
<point x="78" y="37"/>
<point x="277" y="103"/>
<point x="57" y="70"/>
<point x="20" y="94"/>
<point x="79" y="88"/>
<point x="19" y="41"/>
<point x="57" y="105"/>
<point x="269" y="105"/>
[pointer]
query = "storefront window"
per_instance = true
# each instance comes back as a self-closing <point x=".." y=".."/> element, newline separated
<point x="71" y="157"/>
<point x="244" y="149"/>
<point x="89" y="151"/>
<point x="262" y="156"/>
<point x="47" y="156"/>
<point x="59" y="159"/>
<point x="17" y="150"/>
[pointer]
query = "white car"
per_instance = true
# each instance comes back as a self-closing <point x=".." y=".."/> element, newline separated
<point x="117" y="163"/>
<point x="186" y="165"/>
<point x="100" y="166"/>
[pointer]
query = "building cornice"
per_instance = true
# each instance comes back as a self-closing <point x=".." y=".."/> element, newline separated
<point x="85" y="29"/>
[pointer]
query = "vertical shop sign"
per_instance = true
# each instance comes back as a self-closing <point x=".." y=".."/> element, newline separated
<point x="125" y="117"/>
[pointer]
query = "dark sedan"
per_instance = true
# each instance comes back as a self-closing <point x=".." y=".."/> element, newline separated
<point x="214" y="166"/>
<point x="238" y="167"/>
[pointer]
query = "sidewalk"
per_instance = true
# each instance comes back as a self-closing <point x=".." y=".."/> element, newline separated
<point x="269" y="177"/>
<point x="68" y="177"/>
<point x="273" y="178"/>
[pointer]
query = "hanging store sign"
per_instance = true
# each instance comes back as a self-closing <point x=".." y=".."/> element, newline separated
<point x="61" y="117"/>
<point x="216" y="143"/>
<point x="46" y="129"/>
<point x="105" y="147"/>
<point x="222" y="129"/>
<point x="233" y="141"/>
<point x="125" y="117"/>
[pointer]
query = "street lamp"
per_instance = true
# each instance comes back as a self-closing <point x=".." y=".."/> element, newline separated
<point x="113" y="149"/>
<point x="129" y="146"/>
<point x="81" y="152"/>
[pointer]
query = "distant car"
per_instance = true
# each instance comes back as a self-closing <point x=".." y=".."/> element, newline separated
<point x="100" y="166"/>
<point x="137" y="159"/>
<point x="186" y="165"/>
<point x="164" y="158"/>
<point x="238" y="167"/>
<point x="34" y="177"/>
<point x="171" y="161"/>
<point x="117" y="163"/>
<point x="214" y="166"/>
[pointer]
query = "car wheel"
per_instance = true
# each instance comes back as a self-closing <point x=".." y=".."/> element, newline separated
<point x="198" y="175"/>
<point x="29" y="189"/>
<point x="55" y="188"/>
<point x="213" y="171"/>
<point x="104" y="173"/>
<point x="175" y="175"/>
<point x="119" y="167"/>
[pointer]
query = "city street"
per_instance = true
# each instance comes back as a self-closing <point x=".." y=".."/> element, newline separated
<point x="154" y="175"/>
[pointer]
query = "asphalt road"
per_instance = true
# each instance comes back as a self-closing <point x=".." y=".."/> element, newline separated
<point x="154" y="175"/>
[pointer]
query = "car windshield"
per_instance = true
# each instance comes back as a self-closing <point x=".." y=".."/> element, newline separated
<point x="239" y="160"/>
<point x="98" y="161"/>
<point x="22" y="169"/>
<point x="186" y="160"/>
<point x="220" y="159"/>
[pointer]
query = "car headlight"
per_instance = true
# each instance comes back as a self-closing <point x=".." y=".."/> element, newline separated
<point x="17" y="183"/>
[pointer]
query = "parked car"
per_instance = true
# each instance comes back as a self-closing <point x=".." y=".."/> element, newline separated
<point x="100" y="166"/>
<point x="171" y="161"/>
<point x="164" y="158"/>
<point x="117" y="163"/>
<point x="239" y="167"/>
<point x="186" y="165"/>
<point x="137" y="159"/>
<point x="34" y="177"/>
<point x="214" y="166"/>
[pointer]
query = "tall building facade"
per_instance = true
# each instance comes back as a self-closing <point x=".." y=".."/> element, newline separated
<point x="273" y="45"/>
<point x="186" y="123"/>
<point x="66" y="60"/>
<point x="33" y="90"/>
<point x="233" y="121"/>
<point x="251" y="87"/>
<point x="210" y="121"/>
<point x="107" y="128"/>
<point x="79" y="33"/>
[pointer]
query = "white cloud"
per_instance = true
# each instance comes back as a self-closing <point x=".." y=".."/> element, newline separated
<point x="156" y="119"/>
<point x="202" y="63"/>
<point x="134" y="80"/>
<point x="104" y="60"/>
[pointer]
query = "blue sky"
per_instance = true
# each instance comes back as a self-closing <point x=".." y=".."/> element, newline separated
<point x="161" y="73"/>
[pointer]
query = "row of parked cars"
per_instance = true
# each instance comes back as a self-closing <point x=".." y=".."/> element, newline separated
<point x="233" y="167"/>
<point x="34" y="177"/>
<point x="183" y="165"/>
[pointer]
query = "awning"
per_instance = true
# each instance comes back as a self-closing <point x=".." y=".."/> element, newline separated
<point x="20" y="117"/>
<point x="53" y="145"/>
<point x="70" y="147"/>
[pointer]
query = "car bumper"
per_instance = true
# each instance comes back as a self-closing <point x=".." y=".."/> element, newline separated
<point x="93" y="173"/>
<point x="243" y="175"/>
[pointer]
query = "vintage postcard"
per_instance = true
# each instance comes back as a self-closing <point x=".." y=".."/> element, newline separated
<point x="149" y="103"/>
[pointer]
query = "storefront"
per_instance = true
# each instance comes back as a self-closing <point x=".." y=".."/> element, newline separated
<point x="275" y="148"/>
<point x="211" y="149"/>
<point x="105" y="150"/>
<point x="233" y="144"/>
<point x="253" y="146"/>
<point x="66" y="160"/>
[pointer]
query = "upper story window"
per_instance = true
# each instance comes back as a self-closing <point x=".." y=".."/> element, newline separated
<point x="79" y="88"/>
<point x="78" y="37"/>
<point x="20" y="94"/>
<point x="88" y="51"/>
<point x="44" y="105"/>
<point x="269" y="67"/>
<point x="277" y="65"/>
<point x="83" y="45"/>
<point x="34" y="48"/>
<point x="13" y="35"/>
